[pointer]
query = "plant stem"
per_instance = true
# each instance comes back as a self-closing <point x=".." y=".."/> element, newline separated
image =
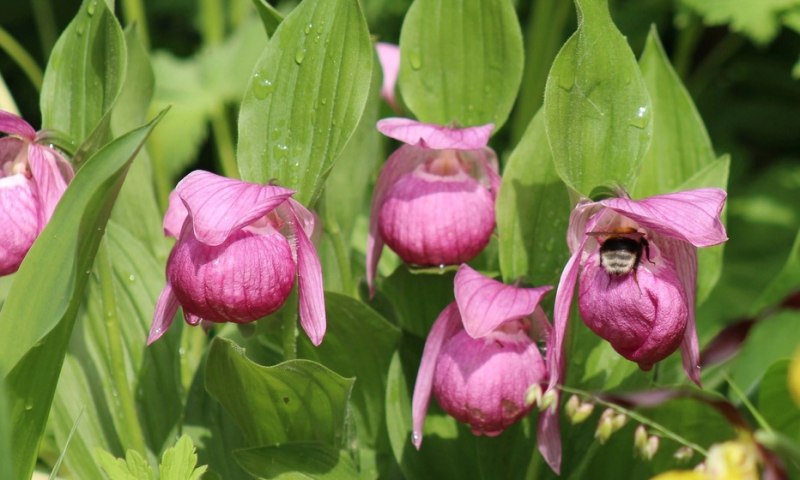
<point x="664" y="431"/>
<point x="212" y="19"/>
<point x="131" y="436"/>
<point x="289" y="316"/>
<point x="134" y="13"/>
<point x="685" y="43"/>
<point x="224" y="142"/>
<point x="710" y="66"/>
<point x="45" y="25"/>
<point x="762" y="422"/>
<point x="21" y="57"/>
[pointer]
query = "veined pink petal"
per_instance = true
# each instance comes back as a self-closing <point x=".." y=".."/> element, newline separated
<point x="578" y="223"/>
<point x="175" y="216"/>
<point x="19" y="217"/>
<point x="402" y="161"/>
<point x="10" y="150"/>
<point x="561" y="310"/>
<point x="685" y="257"/>
<point x="47" y="177"/>
<point x="166" y="308"/>
<point x="446" y="325"/>
<point x="14" y="125"/>
<point x="389" y="56"/>
<point x="548" y="438"/>
<point x="692" y="216"/>
<point x="304" y="216"/>
<point x="435" y="136"/>
<point x="485" y="304"/>
<point x="220" y="205"/>
<point x="309" y="286"/>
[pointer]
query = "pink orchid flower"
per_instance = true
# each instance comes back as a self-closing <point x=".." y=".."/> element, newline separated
<point x="239" y="248"/>
<point x="481" y="358"/>
<point x="433" y="202"/>
<point x="389" y="57"/>
<point x="33" y="178"/>
<point x="635" y="262"/>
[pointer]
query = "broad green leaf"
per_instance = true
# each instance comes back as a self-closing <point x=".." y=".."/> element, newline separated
<point x="306" y="96"/>
<point x="783" y="284"/>
<point x="775" y="402"/>
<point x="416" y="299"/>
<point x="758" y="19"/>
<point x="359" y="343"/>
<point x="48" y="294"/>
<point x="270" y="17"/>
<point x="461" y="61"/>
<point x="297" y="400"/>
<point x="532" y="212"/>
<point x="298" y="460"/>
<point x="773" y="338"/>
<point x="6" y="459"/>
<point x="598" y="113"/>
<point x="680" y="146"/>
<point x="85" y="72"/>
<point x="132" y="467"/>
<point x="179" y="462"/>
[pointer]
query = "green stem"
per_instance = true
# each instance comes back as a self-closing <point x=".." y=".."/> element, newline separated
<point x="664" y="431"/>
<point x="289" y="316"/>
<point x="212" y="19"/>
<point x="340" y="250"/>
<point x="710" y="66"/>
<point x="224" y="142"/>
<point x="45" y="25"/>
<point x="762" y="422"/>
<point x="134" y="13"/>
<point x="685" y="43"/>
<point x="129" y="421"/>
<point x="22" y="58"/>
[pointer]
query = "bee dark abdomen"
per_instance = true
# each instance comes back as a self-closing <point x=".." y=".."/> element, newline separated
<point x="620" y="255"/>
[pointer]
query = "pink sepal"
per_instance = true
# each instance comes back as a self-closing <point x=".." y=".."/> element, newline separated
<point x="389" y="56"/>
<point x="166" y="308"/>
<point x="446" y="325"/>
<point x="219" y="205"/>
<point x="309" y="282"/>
<point x="485" y="304"/>
<point x="47" y="176"/>
<point x="14" y="125"/>
<point x="427" y="135"/>
<point x="175" y="216"/>
<point x="548" y="438"/>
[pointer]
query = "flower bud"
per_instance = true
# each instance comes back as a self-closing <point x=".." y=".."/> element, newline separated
<point x="605" y="427"/>
<point x="549" y="400"/>
<point x="683" y="454"/>
<point x="578" y="411"/>
<point x="534" y="395"/>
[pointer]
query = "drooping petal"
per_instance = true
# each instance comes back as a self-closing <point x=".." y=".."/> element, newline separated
<point x="220" y="205"/>
<point x="389" y="56"/>
<point x="548" y="438"/>
<point x="309" y="286"/>
<point x="175" y="216"/>
<point x="304" y="216"/>
<point x="166" y="308"/>
<point x="435" y="136"/>
<point x="19" y="217"/>
<point x="47" y="177"/>
<point x="684" y="256"/>
<point x="485" y="304"/>
<point x="691" y="216"/>
<point x="14" y="125"/>
<point x="402" y="161"/>
<point x="578" y="224"/>
<point x="561" y="310"/>
<point x="446" y="325"/>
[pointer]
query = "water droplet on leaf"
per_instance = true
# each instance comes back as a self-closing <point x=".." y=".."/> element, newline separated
<point x="262" y="86"/>
<point x="308" y="28"/>
<point x="300" y="55"/>
<point x="91" y="8"/>
<point x="416" y="60"/>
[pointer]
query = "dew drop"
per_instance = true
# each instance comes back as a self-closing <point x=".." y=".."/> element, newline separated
<point x="416" y="437"/>
<point x="131" y="278"/>
<point x="324" y="100"/>
<point x="282" y="147"/>
<point x="79" y="29"/>
<point x="88" y="272"/>
<point x="308" y="28"/>
<point x="299" y="56"/>
<point x="91" y="8"/>
<point x="416" y="60"/>
<point x="640" y="119"/>
<point x="29" y="407"/>
<point x="262" y="86"/>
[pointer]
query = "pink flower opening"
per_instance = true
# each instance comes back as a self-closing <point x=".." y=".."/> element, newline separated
<point x="240" y="246"/>
<point x="490" y="330"/>
<point x="33" y="178"/>
<point x="433" y="202"/>
<point x="635" y="264"/>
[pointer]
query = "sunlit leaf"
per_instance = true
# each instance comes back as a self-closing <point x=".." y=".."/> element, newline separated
<point x="760" y="20"/>
<point x="597" y="110"/>
<point x="132" y="467"/>
<point x="306" y="96"/>
<point x="179" y="462"/>
<point x="298" y="460"/>
<point x="775" y="401"/>
<point x="461" y="61"/>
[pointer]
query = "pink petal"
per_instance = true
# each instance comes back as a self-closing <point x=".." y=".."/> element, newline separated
<point x="220" y="205"/>
<point x="548" y="437"/>
<point x="389" y="56"/>
<point x="402" y="161"/>
<point x="47" y="176"/>
<point x="175" y="216"/>
<point x="14" y="125"/>
<point x="485" y="304"/>
<point x="166" y="308"/>
<point x="435" y="136"/>
<point x="10" y="148"/>
<point x="561" y="310"/>
<point x="684" y="256"/>
<point x="19" y="217"/>
<point x="309" y="285"/>
<point x="304" y="216"/>
<point x="692" y="216"/>
<point x="578" y="223"/>
<point x="445" y="326"/>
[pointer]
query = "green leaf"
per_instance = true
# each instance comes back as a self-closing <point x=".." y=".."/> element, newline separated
<point x="416" y="299"/>
<point x="758" y="19"/>
<point x="297" y="400"/>
<point x="597" y="111"/>
<point x="85" y="72"/>
<point x="298" y="460"/>
<point x="775" y="402"/>
<point x="48" y="294"/>
<point x="461" y="61"/>
<point x="270" y="17"/>
<point x="532" y="212"/>
<point x="179" y="462"/>
<point x="133" y="467"/>
<point x="783" y="284"/>
<point x="6" y="459"/>
<point x="680" y="147"/>
<point x="306" y="96"/>
<point x="359" y="343"/>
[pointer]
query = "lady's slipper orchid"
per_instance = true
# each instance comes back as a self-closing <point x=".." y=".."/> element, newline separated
<point x="389" y="57"/>
<point x="434" y="199"/>
<point x="636" y="265"/>
<point x="33" y="178"/>
<point x="481" y="358"/>
<point x="239" y="248"/>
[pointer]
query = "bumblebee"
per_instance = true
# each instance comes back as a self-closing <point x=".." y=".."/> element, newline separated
<point x="621" y="250"/>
